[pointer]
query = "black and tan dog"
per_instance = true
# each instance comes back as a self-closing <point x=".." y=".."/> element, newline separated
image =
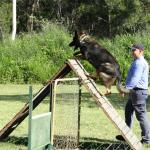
<point x="107" y="68"/>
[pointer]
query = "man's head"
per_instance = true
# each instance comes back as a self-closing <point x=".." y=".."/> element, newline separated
<point x="137" y="50"/>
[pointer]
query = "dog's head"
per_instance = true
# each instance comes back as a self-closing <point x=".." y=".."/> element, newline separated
<point x="78" y="39"/>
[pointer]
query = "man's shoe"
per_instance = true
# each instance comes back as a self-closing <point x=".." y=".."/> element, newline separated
<point x="145" y="142"/>
<point x="120" y="138"/>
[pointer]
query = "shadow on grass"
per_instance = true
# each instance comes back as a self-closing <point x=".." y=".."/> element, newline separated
<point x="102" y="144"/>
<point x="20" y="98"/>
<point x="16" y="140"/>
<point x="86" y="143"/>
<point x="117" y="101"/>
<point x="14" y="97"/>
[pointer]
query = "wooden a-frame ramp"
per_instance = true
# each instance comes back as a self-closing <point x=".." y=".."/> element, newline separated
<point x="90" y="85"/>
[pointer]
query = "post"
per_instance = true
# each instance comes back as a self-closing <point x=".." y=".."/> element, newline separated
<point x="54" y="83"/>
<point x="51" y="110"/>
<point x="14" y="20"/>
<point x="79" y="111"/>
<point x="30" y="117"/>
<point x="51" y="97"/>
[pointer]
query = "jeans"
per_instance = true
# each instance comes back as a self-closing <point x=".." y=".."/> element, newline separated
<point x="137" y="103"/>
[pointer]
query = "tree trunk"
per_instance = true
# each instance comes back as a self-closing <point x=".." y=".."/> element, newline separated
<point x="32" y="11"/>
<point x="14" y="20"/>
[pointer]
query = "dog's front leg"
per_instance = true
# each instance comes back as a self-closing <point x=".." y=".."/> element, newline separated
<point x="79" y="55"/>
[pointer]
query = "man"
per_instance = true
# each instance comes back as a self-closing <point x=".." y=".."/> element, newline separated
<point x="137" y="84"/>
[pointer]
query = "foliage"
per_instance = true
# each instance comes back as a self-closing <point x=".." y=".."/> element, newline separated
<point x="37" y="57"/>
<point x="119" y="47"/>
<point x="5" y="19"/>
<point x="34" y="58"/>
<point x="103" y="18"/>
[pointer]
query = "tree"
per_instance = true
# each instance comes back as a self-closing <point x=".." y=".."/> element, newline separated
<point x="14" y="20"/>
<point x="104" y="18"/>
<point x="6" y="17"/>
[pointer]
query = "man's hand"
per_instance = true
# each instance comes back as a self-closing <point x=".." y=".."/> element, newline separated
<point x="122" y="94"/>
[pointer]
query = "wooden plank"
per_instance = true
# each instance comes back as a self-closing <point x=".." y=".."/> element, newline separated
<point x="90" y="87"/>
<point x="120" y="122"/>
<point x="122" y="125"/>
<point x="132" y="138"/>
<point x="136" y="145"/>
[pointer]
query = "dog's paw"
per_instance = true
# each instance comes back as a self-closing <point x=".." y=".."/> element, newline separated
<point x="108" y="93"/>
<point x="92" y="77"/>
<point x="122" y="94"/>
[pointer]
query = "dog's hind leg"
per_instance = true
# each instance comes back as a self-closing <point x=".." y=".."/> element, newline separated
<point x="108" y="85"/>
<point x="78" y="55"/>
<point x="108" y="81"/>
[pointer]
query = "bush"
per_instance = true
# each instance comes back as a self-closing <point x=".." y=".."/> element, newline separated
<point x="36" y="57"/>
<point x="119" y="47"/>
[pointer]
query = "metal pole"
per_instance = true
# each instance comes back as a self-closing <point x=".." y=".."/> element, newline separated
<point x="30" y="118"/>
<point x="79" y="111"/>
<point x="54" y="83"/>
<point x="14" y="20"/>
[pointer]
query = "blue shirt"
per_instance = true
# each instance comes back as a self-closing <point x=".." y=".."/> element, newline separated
<point x="138" y="74"/>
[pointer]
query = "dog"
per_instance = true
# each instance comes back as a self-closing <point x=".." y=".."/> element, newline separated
<point x="107" y="67"/>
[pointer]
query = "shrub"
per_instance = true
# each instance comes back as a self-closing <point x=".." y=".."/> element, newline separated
<point x="36" y="57"/>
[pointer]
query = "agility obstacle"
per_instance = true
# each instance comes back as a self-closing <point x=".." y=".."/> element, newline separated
<point x="90" y="85"/>
<point x="105" y="105"/>
<point x="65" y="126"/>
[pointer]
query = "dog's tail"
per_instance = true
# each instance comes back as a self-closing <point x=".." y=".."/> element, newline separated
<point x="120" y="87"/>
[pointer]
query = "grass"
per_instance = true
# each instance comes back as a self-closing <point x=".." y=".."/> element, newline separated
<point x="96" y="129"/>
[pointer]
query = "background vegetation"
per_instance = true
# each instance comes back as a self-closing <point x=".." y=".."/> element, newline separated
<point x="36" y="57"/>
<point x="45" y="28"/>
<point x="99" y="17"/>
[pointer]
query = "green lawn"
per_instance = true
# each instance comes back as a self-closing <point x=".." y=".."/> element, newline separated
<point x="96" y="130"/>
